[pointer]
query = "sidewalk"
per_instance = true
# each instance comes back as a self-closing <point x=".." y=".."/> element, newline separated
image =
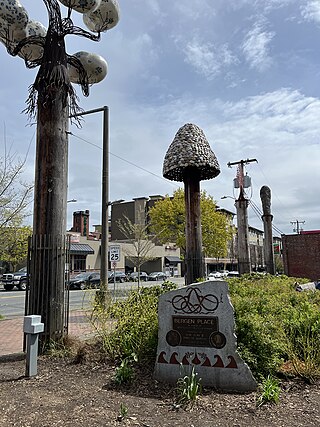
<point x="11" y="331"/>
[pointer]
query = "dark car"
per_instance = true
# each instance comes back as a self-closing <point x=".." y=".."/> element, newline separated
<point x="134" y="276"/>
<point x="84" y="281"/>
<point x="158" y="275"/>
<point x="120" y="276"/>
<point x="18" y="279"/>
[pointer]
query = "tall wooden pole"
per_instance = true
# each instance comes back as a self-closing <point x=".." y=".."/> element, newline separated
<point x="194" y="261"/>
<point x="244" y="263"/>
<point x="48" y="254"/>
<point x="265" y="195"/>
<point x="49" y="222"/>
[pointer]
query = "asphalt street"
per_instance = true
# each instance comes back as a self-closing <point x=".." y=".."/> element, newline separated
<point x="12" y="302"/>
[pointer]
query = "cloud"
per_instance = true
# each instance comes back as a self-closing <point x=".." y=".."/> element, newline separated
<point x="256" y="47"/>
<point x="208" y="59"/>
<point x="311" y="11"/>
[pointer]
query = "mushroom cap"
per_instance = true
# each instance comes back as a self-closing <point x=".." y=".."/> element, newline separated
<point x="190" y="149"/>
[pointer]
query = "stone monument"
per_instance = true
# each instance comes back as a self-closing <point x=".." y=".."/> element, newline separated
<point x="197" y="330"/>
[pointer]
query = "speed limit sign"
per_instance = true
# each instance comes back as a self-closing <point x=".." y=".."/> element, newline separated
<point x="114" y="253"/>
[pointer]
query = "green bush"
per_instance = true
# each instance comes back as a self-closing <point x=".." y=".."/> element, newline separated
<point x="135" y="329"/>
<point x="276" y="324"/>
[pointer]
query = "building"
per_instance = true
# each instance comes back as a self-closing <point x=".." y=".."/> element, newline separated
<point x="85" y="252"/>
<point x="301" y="254"/>
<point x="85" y="248"/>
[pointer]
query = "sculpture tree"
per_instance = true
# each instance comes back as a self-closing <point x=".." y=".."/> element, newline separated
<point x="190" y="159"/>
<point x="52" y="100"/>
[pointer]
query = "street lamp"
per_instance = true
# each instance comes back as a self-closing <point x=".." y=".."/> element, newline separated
<point x="72" y="201"/>
<point x="52" y="99"/>
<point x="104" y="201"/>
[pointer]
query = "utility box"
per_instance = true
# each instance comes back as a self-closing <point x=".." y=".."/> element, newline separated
<point x="246" y="182"/>
<point x="32" y="327"/>
<point x="32" y="324"/>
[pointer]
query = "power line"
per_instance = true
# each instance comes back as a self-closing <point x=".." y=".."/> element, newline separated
<point x="259" y="214"/>
<point x="125" y="160"/>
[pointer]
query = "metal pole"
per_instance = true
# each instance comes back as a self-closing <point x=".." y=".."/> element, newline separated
<point x="105" y="204"/>
<point x="105" y="197"/>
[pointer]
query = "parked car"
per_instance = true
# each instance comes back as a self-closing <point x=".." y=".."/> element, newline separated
<point x="158" y="275"/>
<point x="120" y="276"/>
<point x="217" y="275"/>
<point x="233" y="274"/>
<point x="85" y="280"/>
<point x="134" y="276"/>
<point x="18" y="279"/>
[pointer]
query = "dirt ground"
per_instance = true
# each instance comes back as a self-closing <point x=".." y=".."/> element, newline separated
<point x="66" y="393"/>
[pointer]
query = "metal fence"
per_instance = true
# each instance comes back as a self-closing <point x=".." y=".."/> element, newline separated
<point x="48" y="276"/>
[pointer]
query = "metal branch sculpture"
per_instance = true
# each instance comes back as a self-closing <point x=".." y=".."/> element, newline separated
<point x="52" y="99"/>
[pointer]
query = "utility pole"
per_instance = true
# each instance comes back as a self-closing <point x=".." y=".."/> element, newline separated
<point x="297" y="224"/>
<point x="244" y="263"/>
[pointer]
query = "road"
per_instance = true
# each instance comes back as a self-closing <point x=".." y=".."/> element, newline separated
<point x="12" y="303"/>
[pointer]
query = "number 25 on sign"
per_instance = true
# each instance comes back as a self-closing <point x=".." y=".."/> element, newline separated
<point x="114" y="253"/>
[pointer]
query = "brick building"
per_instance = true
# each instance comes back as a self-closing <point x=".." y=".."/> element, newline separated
<point x="301" y="254"/>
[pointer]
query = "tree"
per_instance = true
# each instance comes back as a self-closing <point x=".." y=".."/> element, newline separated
<point x="14" y="245"/>
<point x="167" y="221"/>
<point x="141" y="243"/>
<point x="15" y="195"/>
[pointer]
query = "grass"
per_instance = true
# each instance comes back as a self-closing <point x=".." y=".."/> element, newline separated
<point x="270" y="391"/>
<point x="188" y="388"/>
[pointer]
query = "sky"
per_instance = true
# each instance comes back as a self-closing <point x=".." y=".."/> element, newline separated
<point x="247" y="72"/>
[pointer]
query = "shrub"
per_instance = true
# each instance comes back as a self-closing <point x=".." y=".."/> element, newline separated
<point x="135" y="324"/>
<point x="274" y="323"/>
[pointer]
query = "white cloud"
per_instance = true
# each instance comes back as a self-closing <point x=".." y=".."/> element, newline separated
<point x="208" y="59"/>
<point x="311" y="11"/>
<point x="256" y="47"/>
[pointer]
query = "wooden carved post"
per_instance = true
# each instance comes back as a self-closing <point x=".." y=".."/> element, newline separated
<point x="53" y="100"/>
<point x="190" y="159"/>
<point x="194" y="256"/>
<point x="47" y="266"/>
<point x="265" y="195"/>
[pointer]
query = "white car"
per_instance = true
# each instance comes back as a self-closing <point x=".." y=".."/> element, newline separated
<point x="218" y="275"/>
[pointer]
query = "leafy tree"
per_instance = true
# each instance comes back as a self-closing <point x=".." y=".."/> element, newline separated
<point x="142" y="244"/>
<point x="14" y="246"/>
<point x="167" y="218"/>
<point x="15" y="195"/>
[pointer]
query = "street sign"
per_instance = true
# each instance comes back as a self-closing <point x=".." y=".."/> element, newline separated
<point x="114" y="253"/>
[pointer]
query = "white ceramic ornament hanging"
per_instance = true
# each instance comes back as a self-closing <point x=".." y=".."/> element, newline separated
<point x="81" y="6"/>
<point x="32" y="52"/>
<point x="95" y="66"/>
<point x="105" y="17"/>
<point x="13" y="14"/>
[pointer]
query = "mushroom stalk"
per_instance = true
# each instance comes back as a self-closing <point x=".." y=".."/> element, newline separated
<point x="195" y="267"/>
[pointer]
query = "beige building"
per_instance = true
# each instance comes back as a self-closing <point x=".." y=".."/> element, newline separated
<point x="85" y="252"/>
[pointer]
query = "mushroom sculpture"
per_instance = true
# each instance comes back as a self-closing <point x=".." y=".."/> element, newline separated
<point x="189" y="159"/>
